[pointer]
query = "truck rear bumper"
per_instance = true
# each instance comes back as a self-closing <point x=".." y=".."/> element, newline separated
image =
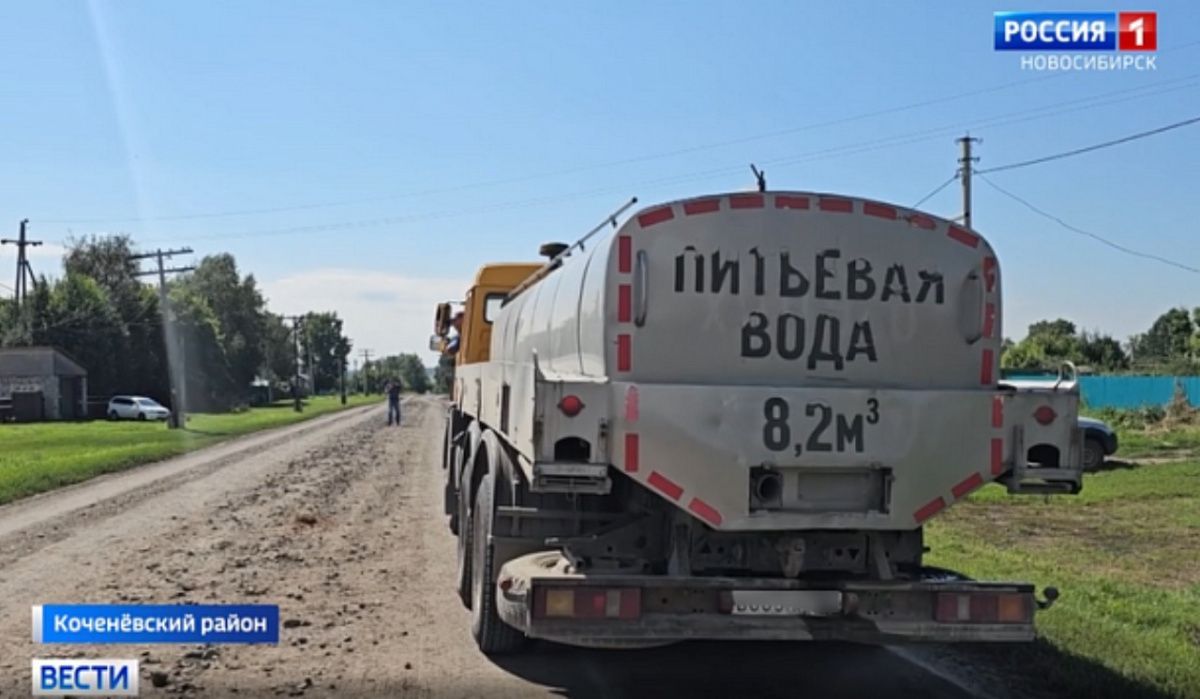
<point x="537" y="595"/>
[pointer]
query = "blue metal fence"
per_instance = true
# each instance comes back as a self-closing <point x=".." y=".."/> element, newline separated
<point x="1131" y="391"/>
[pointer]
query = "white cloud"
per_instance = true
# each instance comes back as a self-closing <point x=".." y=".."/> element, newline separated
<point x="386" y="313"/>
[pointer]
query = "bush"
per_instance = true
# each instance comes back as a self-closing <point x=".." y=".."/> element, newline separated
<point x="1180" y="411"/>
<point x="1131" y="418"/>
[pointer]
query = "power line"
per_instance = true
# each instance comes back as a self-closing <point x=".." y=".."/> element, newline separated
<point x="932" y="194"/>
<point x="572" y="170"/>
<point x="581" y="168"/>
<point x="821" y="154"/>
<point x="1089" y="149"/>
<point x="1080" y="231"/>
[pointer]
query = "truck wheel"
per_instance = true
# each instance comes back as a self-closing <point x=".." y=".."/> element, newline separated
<point x="449" y="468"/>
<point x="1093" y="454"/>
<point x="492" y="635"/>
<point x="463" y="553"/>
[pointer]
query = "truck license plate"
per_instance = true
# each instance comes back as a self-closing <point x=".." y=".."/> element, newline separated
<point x="787" y="602"/>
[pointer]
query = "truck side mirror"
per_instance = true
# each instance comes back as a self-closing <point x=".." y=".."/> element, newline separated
<point x="435" y="343"/>
<point x="441" y="319"/>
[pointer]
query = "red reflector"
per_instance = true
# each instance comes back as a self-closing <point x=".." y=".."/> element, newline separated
<point x="947" y="607"/>
<point x="983" y="608"/>
<point x="587" y="602"/>
<point x="1044" y="415"/>
<point x="570" y="406"/>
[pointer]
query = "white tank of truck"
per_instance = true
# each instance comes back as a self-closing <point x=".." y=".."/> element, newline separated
<point x="744" y="405"/>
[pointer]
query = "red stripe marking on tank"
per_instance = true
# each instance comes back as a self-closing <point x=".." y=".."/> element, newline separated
<point x="837" y="206"/>
<point x="746" y="201"/>
<point x="989" y="273"/>
<point x="985" y="368"/>
<point x="631" y="452"/>
<point x="989" y="319"/>
<point x="631" y="405"/>
<point x="704" y="206"/>
<point x="930" y="509"/>
<point x="963" y="236"/>
<point x="997" y="411"/>
<point x="624" y="303"/>
<point x="997" y="456"/>
<point x="871" y="208"/>
<point x="624" y="352"/>
<point x="669" y="487"/>
<point x="656" y="216"/>
<point x="784" y="201"/>
<point x="705" y="511"/>
<point x="968" y="484"/>
<point x="624" y="254"/>
<point x="922" y="221"/>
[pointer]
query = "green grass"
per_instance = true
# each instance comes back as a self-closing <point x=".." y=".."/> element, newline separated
<point x="1125" y="554"/>
<point x="1159" y="442"/>
<point x="38" y="457"/>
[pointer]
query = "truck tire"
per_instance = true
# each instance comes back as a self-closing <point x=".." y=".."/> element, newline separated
<point x="463" y="550"/>
<point x="1093" y="454"/>
<point x="493" y="636"/>
<point x="450" y="453"/>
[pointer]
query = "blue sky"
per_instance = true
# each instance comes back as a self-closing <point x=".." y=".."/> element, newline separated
<point x="423" y="139"/>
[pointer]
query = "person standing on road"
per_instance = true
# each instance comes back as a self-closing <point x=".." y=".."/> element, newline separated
<point x="393" y="395"/>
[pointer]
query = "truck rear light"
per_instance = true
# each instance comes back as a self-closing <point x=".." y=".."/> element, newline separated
<point x="588" y="603"/>
<point x="984" y="608"/>
<point x="1044" y="415"/>
<point x="570" y="406"/>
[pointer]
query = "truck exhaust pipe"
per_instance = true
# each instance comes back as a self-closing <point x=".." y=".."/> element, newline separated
<point x="767" y="487"/>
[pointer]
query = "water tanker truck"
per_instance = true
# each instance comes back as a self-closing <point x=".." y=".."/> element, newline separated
<point x="731" y="418"/>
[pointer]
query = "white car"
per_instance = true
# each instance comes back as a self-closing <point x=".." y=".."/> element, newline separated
<point x="136" y="408"/>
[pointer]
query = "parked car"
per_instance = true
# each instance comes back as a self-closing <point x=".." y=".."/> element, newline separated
<point x="1099" y="442"/>
<point x="136" y="408"/>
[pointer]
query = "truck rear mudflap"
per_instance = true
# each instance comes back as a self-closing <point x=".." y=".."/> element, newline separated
<point x="538" y="595"/>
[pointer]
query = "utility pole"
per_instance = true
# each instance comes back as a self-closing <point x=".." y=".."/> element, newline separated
<point x="24" y="270"/>
<point x="366" y="355"/>
<point x="965" y="165"/>
<point x="342" y="379"/>
<point x="296" y="320"/>
<point x="175" y="366"/>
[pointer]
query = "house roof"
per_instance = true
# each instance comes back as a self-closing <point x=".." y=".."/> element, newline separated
<point x="38" y="361"/>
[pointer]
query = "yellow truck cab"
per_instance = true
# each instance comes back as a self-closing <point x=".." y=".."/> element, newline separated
<point x="484" y="298"/>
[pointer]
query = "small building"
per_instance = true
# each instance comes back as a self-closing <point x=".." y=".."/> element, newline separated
<point x="41" y="383"/>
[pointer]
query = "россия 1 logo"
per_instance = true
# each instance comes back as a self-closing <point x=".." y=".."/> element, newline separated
<point x="1063" y="32"/>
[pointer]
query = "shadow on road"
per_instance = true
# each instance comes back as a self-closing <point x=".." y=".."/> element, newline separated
<point x="821" y="670"/>
<point x="1117" y="465"/>
<point x="712" y="669"/>
<point x="1040" y="669"/>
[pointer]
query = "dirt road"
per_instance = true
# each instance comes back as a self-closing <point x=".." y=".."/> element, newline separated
<point x="338" y="521"/>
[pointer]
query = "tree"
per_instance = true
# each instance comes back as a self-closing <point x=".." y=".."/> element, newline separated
<point x="408" y="368"/>
<point x="138" y="364"/>
<point x="1102" y="352"/>
<point x="238" y="308"/>
<point x="278" y="349"/>
<point x="443" y="374"/>
<point x="208" y="382"/>
<point x="1051" y="342"/>
<point x="323" y="341"/>
<point x="81" y="321"/>
<point x="1048" y="343"/>
<point x="1169" y="344"/>
<point x="413" y="373"/>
